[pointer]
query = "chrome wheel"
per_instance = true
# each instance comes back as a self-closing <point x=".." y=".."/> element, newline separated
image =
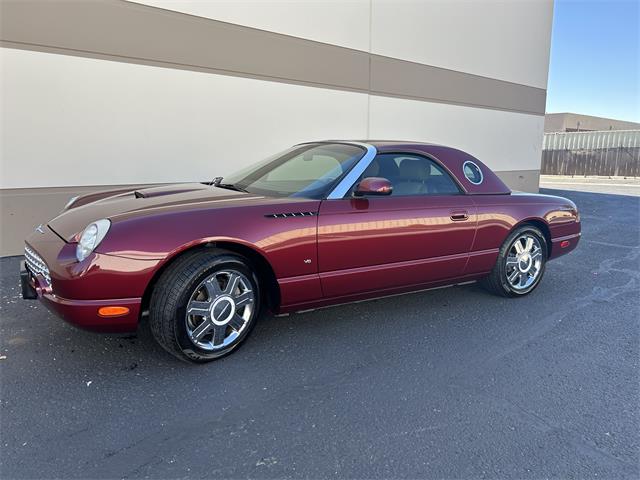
<point x="524" y="262"/>
<point x="219" y="310"/>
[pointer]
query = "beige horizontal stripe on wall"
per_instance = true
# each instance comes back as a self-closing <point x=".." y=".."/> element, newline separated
<point x="22" y="209"/>
<point x="129" y="32"/>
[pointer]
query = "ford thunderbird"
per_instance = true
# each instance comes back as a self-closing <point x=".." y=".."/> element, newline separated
<point x="321" y="223"/>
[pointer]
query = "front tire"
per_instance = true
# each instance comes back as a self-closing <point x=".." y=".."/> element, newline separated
<point x="521" y="263"/>
<point x="204" y="305"/>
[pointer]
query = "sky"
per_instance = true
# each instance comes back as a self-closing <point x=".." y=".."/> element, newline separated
<point x="595" y="58"/>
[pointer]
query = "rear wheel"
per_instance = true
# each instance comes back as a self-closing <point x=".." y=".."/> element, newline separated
<point x="205" y="305"/>
<point x="521" y="263"/>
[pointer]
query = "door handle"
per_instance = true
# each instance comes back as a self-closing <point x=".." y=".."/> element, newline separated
<point x="459" y="216"/>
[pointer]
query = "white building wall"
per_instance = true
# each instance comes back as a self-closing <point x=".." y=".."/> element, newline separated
<point x="506" y="40"/>
<point x="462" y="35"/>
<point x="95" y="122"/>
<point x="505" y="141"/>
<point x="127" y="93"/>
<point x="338" y="22"/>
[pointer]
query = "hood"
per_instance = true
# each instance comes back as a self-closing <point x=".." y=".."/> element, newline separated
<point x="117" y="205"/>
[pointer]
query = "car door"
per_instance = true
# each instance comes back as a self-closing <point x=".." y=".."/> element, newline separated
<point x="421" y="233"/>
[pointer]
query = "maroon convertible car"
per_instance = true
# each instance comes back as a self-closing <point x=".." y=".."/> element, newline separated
<point x="319" y="224"/>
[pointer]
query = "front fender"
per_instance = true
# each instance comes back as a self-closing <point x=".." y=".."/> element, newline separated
<point x="288" y="244"/>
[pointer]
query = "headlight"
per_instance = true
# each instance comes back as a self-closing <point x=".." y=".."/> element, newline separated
<point x="91" y="238"/>
<point x="71" y="201"/>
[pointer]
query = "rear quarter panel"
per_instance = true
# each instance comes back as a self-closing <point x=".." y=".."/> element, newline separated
<point x="498" y="215"/>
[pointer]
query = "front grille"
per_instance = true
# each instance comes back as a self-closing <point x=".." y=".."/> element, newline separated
<point x="36" y="265"/>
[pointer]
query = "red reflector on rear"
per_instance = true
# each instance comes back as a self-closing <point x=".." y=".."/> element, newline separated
<point x="565" y="244"/>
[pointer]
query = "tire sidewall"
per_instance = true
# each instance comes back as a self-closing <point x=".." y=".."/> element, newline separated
<point x="187" y="347"/>
<point x="504" y="251"/>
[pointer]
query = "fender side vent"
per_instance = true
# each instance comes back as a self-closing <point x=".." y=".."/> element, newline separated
<point x="291" y="214"/>
<point x="139" y="194"/>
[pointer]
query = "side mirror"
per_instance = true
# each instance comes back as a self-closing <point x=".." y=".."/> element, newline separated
<point x="373" y="186"/>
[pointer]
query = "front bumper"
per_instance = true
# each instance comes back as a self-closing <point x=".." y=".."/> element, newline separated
<point x="75" y="291"/>
<point x="81" y="313"/>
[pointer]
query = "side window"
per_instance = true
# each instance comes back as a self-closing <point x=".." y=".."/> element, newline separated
<point x="412" y="175"/>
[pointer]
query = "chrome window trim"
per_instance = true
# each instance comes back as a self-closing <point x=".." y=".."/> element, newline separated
<point x="479" y="169"/>
<point x="340" y="190"/>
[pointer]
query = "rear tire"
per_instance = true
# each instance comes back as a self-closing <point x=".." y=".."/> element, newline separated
<point x="204" y="305"/>
<point x="521" y="263"/>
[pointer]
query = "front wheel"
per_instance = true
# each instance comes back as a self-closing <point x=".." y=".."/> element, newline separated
<point x="204" y="305"/>
<point x="520" y="265"/>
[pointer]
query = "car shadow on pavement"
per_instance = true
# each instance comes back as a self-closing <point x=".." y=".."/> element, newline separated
<point x="29" y="327"/>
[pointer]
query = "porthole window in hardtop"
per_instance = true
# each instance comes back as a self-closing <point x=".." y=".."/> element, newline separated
<point x="472" y="172"/>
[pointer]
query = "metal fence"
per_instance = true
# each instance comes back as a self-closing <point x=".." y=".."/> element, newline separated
<point x="603" y="153"/>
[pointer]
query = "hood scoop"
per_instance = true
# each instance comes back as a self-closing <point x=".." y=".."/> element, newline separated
<point x="154" y="192"/>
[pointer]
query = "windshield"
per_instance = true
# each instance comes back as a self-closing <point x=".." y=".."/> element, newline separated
<point x="309" y="171"/>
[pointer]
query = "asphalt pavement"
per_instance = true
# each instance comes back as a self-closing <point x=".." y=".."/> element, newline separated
<point x="451" y="383"/>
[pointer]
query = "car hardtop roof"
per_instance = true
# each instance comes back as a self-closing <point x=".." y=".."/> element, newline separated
<point x="453" y="159"/>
